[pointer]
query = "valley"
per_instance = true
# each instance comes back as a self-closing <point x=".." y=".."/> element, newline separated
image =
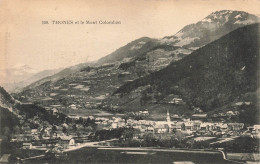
<point x="194" y="92"/>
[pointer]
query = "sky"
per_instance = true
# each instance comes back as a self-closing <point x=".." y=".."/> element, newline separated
<point x="25" y="40"/>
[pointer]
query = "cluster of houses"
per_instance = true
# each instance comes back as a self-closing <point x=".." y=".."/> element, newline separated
<point x="46" y="137"/>
<point x="61" y="140"/>
<point x="188" y="126"/>
<point x="195" y="125"/>
<point x="58" y="144"/>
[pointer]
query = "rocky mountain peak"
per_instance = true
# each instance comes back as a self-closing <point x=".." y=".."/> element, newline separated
<point x="212" y="27"/>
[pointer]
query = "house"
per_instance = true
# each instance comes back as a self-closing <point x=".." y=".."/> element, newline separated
<point x="176" y="101"/>
<point x="188" y="126"/>
<point x="144" y="112"/>
<point x="241" y="103"/>
<point x="53" y="94"/>
<point x="204" y="127"/>
<point x="196" y="126"/>
<point x="207" y="126"/>
<point x="198" y="116"/>
<point x="34" y="131"/>
<point x="18" y="137"/>
<point x="150" y="129"/>
<point x="114" y="125"/>
<point x="142" y="128"/>
<point x="223" y="127"/>
<point x="137" y="127"/>
<point x="66" y="141"/>
<point x="54" y="110"/>
<point x="197" y="110"/>
<point x="73" y="106"/>
<point x="180" y="126"/>
<point x="231" y="113"/>
<point x="235" y="126"/>
<point x="161" y="128"/>
<point x="175" y="116"/>
<point x="27" y="145"/>
<point x="74" y="117"/>
<point x="256" y="128"/>
<point x="72" y="142"/>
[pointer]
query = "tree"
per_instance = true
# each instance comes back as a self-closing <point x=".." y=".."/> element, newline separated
<point x="128" y="134"/>
<point x="248" y="114"/>
<point x="89" y="129"/>
<point x="6" y="132"/>
<point x="64" y="130"/>
<point x="17" y="130"/>
<point x="54" y="128"/>
<point x="80" y="121"/>
<point x="74" y="127"/>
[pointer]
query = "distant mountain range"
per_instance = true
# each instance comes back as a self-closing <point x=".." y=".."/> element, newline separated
<point x="55" y="76"/>
<point x="20" y="76"/>
<point x="17" y="73"/>
<point x="203" y="63"/>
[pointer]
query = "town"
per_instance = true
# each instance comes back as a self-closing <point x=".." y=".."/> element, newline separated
<point x="75" y="133"/>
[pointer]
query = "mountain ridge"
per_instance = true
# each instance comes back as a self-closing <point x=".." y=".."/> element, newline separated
<point x="210" y="28"/>
<point x="177" y="76"/>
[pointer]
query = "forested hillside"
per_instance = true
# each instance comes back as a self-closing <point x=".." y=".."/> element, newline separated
<point x="213" y="75"/>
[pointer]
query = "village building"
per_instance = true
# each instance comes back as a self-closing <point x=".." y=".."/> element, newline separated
<point x="27" y="145"/>
<point x="198" y="116"/>
<point x="235" y="126"/>
<point x="66" y="141"/>
<point x="161" y="128"/>
<point x="73" y="106"/>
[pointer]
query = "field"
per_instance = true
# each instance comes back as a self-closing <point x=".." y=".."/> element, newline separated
<point x="142" y="155"/>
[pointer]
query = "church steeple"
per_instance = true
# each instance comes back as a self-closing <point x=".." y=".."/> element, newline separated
<point x="168" y="118"/>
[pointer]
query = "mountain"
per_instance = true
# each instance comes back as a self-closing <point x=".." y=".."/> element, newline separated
<point x="17" y="87"/>
<point x="36" y="80"/>
<point x="188" y="39"/>
<point x="21" y="75"/>
<point x="213" y="76"/>
<point x="133" y="49"/>
<point x="214" y="26"/>
<point x="158" y="53"/>
<point x="16" y="73"/>
<point x="91" y="86"/>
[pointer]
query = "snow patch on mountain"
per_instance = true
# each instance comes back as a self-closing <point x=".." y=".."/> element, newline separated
<point x="238" y="16"/>
<point x="245" y="22"/>
<point x="206" y="20"/>
<point x="168" y="40"/>
<point x="226" y="18"/>
<point x="141" y="42"/>
<point x="136" y="47"/>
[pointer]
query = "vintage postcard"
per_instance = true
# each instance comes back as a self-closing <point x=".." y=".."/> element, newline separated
<point x="129" y="81"/>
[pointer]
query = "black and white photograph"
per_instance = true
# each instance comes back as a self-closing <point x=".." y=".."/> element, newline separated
<point x="129" y="81"/>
